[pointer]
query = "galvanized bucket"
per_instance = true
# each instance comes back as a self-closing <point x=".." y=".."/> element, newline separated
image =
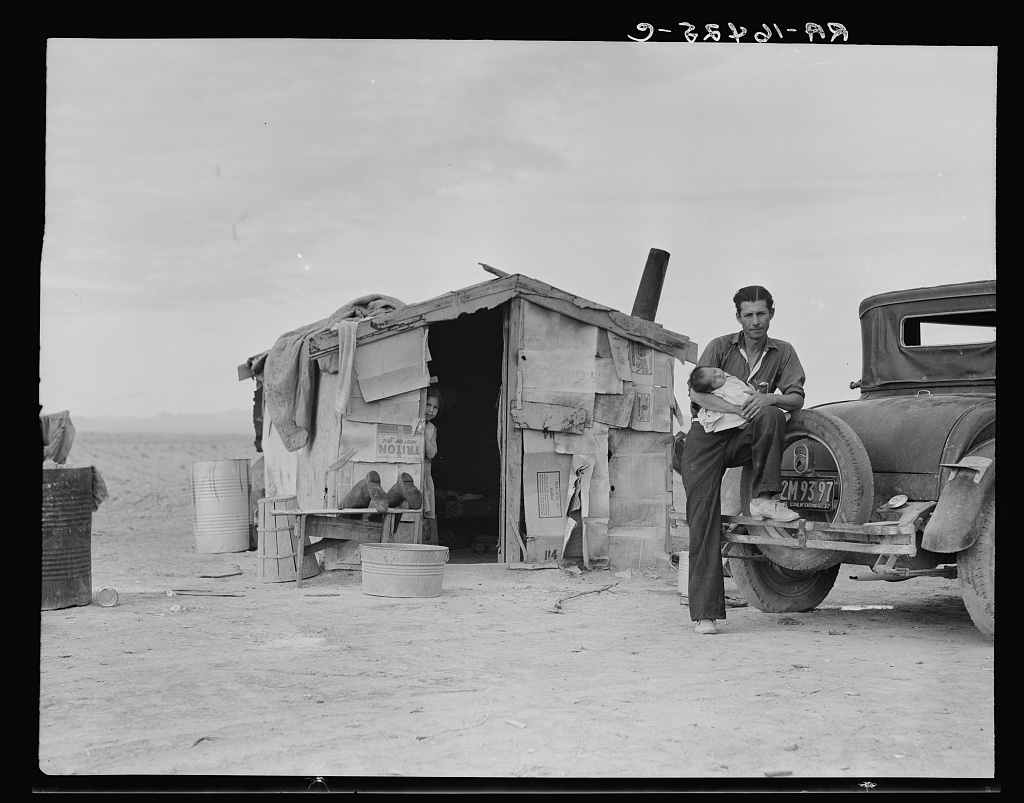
<point x="403" y="570"/>
<point x="67" y="537"/>
<point x="220" y="505"/>
<point x="683" y="580"/>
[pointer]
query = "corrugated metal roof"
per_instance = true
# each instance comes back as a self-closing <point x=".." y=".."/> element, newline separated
<point x="495" y="292"/>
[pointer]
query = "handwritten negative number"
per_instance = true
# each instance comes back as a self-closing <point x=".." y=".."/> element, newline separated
<point x="811" y="29"/>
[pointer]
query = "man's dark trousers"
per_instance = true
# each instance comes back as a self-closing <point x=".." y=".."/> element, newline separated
<point x="706" y="456"/>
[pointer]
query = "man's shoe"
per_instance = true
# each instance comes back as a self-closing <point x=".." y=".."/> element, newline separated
<point x="366" y="493"/>
<point x="404" y="492"/>
<point x="783" y="513"/>
<point x="771" y="509"/>
<point x="706" y="627"/>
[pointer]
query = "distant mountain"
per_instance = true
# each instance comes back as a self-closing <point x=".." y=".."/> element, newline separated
<point x="222" y="423"/>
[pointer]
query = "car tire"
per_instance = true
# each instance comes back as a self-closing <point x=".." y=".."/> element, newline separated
<point x="775" y="589"/>
<point x="857" y="495"/>
<point x="976" y="569"/>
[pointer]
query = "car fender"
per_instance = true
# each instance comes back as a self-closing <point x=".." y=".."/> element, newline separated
<point x="954" y="523"/>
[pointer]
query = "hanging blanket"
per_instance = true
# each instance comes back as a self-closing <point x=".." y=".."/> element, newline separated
<point x="288" y="377"/>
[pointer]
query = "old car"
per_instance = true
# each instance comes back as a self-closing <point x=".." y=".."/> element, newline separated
<point x="900" y="481"/>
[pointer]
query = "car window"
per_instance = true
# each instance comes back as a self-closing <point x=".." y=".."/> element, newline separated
<point x="952" y="329"/>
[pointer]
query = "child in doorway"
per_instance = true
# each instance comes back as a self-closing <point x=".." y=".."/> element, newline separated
<point x="728" y="388"/>
<point x="433" y="404"/>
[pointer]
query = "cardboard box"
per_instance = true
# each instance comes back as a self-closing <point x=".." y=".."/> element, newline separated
<point x="342" y="555"/>
<point x="541" y="549"/>
<point x="545" y="485"/>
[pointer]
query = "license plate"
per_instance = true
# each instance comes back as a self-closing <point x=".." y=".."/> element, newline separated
<point x="815" y="493"/>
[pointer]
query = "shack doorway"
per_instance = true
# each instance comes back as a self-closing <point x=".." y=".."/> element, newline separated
<point x="467" y="358"/>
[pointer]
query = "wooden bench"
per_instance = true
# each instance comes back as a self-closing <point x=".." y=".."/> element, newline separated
<point x="327" y="524"/>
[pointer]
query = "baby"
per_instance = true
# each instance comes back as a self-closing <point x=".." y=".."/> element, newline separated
<point x="727" y="387"/>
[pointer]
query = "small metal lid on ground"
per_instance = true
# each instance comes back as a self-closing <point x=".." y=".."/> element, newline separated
<point x="106" y="597"/>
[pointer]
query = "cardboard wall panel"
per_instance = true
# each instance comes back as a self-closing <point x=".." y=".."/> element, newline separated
<point x="593" y="443"/>
<point x="661" y="409"/>
<point x="664" y="365"/>
<point x="545" y="485"/>
<point x="393" y="365"/>
<point x="641" y="363"/>
<point x="642" y="417"/>
<point x="607" y="378"/>
<point x="551" y="417"/>
<point x="403" y="408"/>
<point x="634" y="361"/>
<point x="383" y="443"/>
<point x="546" y="329"/>
<point x="557" y="361"/>
<point x="615" y="410"/>
<point x="556" y="369"/>
<point x="393" y="383"/>
<point x="541" y="549"/>
<point x="322" y="448"/>
<point x="638" y="469"/>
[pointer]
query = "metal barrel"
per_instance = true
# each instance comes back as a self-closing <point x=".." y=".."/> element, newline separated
<point x="66" y="537"/>
<point x="220" y="505"/>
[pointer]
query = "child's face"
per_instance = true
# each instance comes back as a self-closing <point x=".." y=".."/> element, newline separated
<point x="714" y="377"/>
<point x="431" y="408"/>
<point x="717" y="378"/>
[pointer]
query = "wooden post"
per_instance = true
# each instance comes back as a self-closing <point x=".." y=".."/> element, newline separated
<point x="648" y="294"/>
<point x="669" y="482"/>
<point x="510" y="502"/>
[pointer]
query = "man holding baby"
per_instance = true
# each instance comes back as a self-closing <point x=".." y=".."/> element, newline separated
<point x="772" y="370"/>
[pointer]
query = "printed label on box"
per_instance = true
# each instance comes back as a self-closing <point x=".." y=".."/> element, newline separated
<point x="643" y="407"/>
<point x="398" y="443"/>
<point x="641" y="359"/>
<point x="548" y="495"/>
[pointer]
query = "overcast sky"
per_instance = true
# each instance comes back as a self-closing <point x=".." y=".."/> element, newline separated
<point x="205" y="196"/>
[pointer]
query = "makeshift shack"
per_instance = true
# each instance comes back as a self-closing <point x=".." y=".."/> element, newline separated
<point x="555" y="435"/>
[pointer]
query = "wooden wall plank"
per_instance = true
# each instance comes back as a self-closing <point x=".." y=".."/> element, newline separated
<point x="322" y="449"/>
<point x="669" y="485"/>
<point x="511" y="442"/>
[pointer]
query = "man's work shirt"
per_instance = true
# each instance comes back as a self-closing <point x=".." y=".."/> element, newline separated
<point x="778" y="366"/>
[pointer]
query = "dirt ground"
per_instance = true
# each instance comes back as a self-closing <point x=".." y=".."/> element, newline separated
<point x="507" y="675"/>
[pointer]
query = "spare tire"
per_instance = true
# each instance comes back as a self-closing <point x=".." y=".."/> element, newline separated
<point x="788" y="580"/>
<point x="839" y="454"/>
